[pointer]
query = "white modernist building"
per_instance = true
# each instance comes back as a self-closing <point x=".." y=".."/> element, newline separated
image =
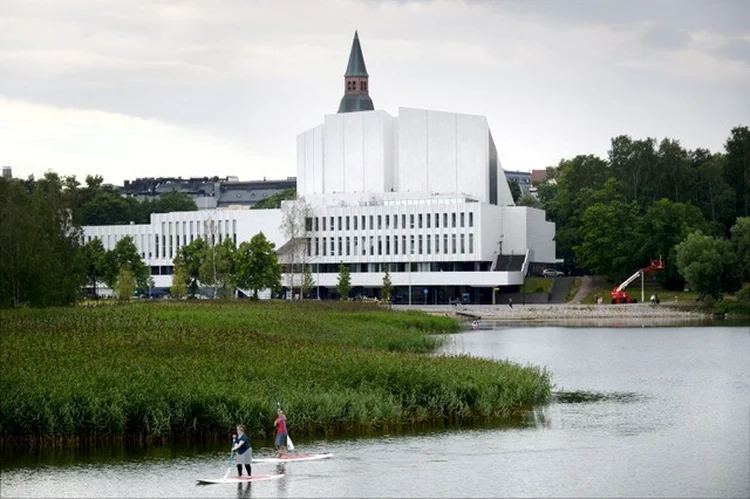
<point x="421" y="193"/>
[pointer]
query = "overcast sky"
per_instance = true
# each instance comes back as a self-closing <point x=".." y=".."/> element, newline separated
<point x="134" y="88"/>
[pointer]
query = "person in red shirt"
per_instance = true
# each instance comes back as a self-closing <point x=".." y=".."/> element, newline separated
<point x="281" y="433"/>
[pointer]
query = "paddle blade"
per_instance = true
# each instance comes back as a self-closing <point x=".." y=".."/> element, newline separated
<point x="289" y="443"/>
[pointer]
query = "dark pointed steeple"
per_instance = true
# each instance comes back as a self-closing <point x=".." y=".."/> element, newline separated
<point x="356" y="82"/>
<point x="356" y="66"/>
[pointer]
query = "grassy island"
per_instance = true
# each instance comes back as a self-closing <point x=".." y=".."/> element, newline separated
<point x="182" y="370"/>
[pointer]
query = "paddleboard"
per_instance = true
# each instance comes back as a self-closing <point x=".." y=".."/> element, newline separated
<point x="242" y="479"/>
<point x="292" y="458"/>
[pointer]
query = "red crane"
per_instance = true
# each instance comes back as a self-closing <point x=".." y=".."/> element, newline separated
<point x="619" y="295"/>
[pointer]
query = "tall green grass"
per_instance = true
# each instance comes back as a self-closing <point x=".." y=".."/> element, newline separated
<point x="183" y="370"/>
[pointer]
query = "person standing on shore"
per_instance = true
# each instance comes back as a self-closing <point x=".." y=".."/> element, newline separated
<point x="241" y="445"/>
<point x="281" y="433"/>
<point x="510" y="302"/>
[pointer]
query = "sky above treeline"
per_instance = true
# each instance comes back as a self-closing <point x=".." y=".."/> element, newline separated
<point x="139" y="88"/>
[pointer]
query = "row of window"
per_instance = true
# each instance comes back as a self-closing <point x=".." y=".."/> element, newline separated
<point x="381" y="245"/>
<point x="169" y="244"/>
<point x="419" y="221"/>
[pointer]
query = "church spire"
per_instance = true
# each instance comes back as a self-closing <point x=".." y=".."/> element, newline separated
<point x="356" y="82"/>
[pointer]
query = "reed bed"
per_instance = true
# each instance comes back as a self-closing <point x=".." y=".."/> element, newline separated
<point x="182" y="370"/>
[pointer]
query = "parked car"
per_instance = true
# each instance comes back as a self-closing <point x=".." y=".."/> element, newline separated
<point x="552" y="273"/>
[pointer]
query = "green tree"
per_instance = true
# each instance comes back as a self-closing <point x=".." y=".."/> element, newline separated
<point x="737" y="171"/>
<point x="529" y="201"/>
<point x="712" y="194"/>
<point x="386" y="290"/>
<point x="741" y="245"/>
<point x="218" y="269"/>
<point x="273" y="202"/>
<point x="257" y="265"/>
<point x="40" y="243"/>
<point x="708" y="264"/>
<point x="665" y="224"/>
<point x="169" y="202"/>
<point x="608" y="238"/>
<point x="94" y="262"/>
<point x="125" y="284"/>
<point x="344" y="286"/>
<point x="308" y="283"/>
<point x="188" y="260"/>
<point x="179" y="282"/>
<point x="124" y="256"/>
<point x="515" y="190"/>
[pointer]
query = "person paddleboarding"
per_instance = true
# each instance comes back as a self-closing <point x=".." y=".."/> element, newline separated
<point x="281" y="433"/>
<point x="241" y="445"/>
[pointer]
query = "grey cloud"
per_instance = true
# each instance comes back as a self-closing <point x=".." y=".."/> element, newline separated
<point x="736" y="49"/>
<point x="664" y="37"/>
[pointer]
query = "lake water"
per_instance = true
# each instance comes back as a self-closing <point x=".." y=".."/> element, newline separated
<point x="672" y="419"/>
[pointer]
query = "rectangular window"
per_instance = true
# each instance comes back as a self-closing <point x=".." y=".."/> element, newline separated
<point x="445" y="244"/>
<point x="403" y="221"/>
<point x="325" y="247"/>
<point x="341" y="252"/>
<point x="348" y="245"/>
<point x="324" y="224"/>
<point x="471" y="243"/>
<point x="437" y="220"/>
<point x="380" y="246"/>
<point x="372" y="245"/>
<point x="437" y="244"/>
<point x="419" y="242"/>
<point x="356" y="242"/>
<point x="332" y="226"/>
<point x="317" y="224"/>
<point x="363" y="243"/>
<point x="453" y="220"/>
<point x="411" y="221"/>
<point x="333" y="246"/>
<point x="403" y="244"/>
<point x="355" y="221"/>
<point x="387" y="242"/>
<point x="445" y="220"/>
<point x="395" y="221"/>
<point x="339" y="223"/>
<point x="156" y="245"/>
<point x="380" y="222"/>
<point x="429" y="243"/>
<point x="364" y="227"/>
<point x="463" y="216"/>
<point x="317" y="246"/>
<point x="471" y="219"/>
<point x="308" y="223"/>
<point x="347" y="223"/>
<point x="387" y="221"/>
<point x="463" y="246"/>
<point x="420" y="221"/>
<point x="309" y="246"/>
<point x="411" y="244"/>
<point x="453" y="244"/>
<point x="395" y="245"/>
<point x="428" y="217"/>
<point x="372" y="222"/>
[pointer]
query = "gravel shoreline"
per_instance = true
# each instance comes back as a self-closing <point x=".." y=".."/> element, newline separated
<point x="568" y="312"/>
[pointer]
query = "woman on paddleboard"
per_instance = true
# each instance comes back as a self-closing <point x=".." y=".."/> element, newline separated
<point x="241" y="444"/>
<point x="281" y="433"/>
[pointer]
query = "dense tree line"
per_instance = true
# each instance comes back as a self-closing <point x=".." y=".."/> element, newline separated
<point x="650" y="199"/>
<point x="42" y="259"/>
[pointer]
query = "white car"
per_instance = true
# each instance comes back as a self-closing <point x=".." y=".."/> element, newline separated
<point x="552" y="273"/>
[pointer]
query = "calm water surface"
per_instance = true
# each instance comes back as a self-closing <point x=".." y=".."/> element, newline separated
<point x="672" y="420"/>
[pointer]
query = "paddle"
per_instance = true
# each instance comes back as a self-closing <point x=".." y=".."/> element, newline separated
<point x="289" y="443"/>
<point x="231" y="455"/>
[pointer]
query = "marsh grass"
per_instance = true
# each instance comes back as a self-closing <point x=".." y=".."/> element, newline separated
<point x="188" y="370"/>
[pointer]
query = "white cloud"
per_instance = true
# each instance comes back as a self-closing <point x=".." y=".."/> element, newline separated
<point x="35" y="138"/>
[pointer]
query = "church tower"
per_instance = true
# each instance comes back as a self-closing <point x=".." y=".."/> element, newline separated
<point x="356" y="92"/>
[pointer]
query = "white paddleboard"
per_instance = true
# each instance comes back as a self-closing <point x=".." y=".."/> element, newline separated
<point x="242" y="479"/>
<point x="292" y="458"/>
